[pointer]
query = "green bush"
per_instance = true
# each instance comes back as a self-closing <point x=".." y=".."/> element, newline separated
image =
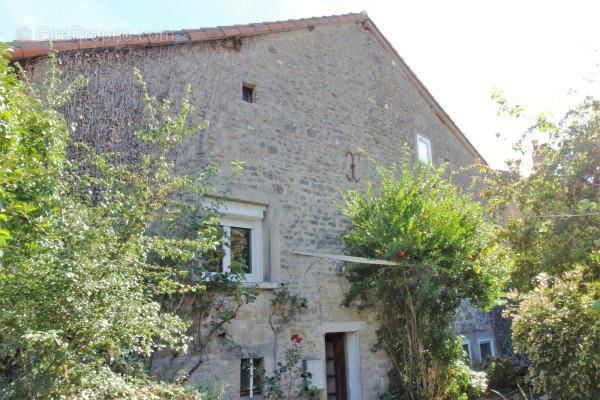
<point x="465" y="383"/>
<point x="79" y="316"/>
<point x="556" y="326"/>
<point x="505" y="373"/>
<point x="443" y="245"/>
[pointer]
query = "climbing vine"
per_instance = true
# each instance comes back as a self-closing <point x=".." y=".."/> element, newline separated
<point x="288" y="374"/>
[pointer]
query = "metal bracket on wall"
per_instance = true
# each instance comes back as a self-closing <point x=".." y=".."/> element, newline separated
<point x="352" y="177"/>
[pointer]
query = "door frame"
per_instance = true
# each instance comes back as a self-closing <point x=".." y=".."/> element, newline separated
<point x="351" y="333"/>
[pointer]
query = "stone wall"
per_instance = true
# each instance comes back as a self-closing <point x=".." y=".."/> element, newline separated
<point x="319" y="93"/>
<point x="475" y="325"/>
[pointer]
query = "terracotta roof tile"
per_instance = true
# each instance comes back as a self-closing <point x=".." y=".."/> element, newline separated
<point x="23" y="49"/>
<point x="197" y="35"/>
<point x="231" y="31"/>
<point x="247" y="30"/>
<point x="275" y="26"/>
<point x="260" y="28"/>
<point x="214" y="33"/>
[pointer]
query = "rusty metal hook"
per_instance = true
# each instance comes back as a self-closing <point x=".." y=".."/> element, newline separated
<point x="352" y="177"/>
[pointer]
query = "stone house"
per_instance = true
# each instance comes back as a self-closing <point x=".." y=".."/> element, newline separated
<point x="294" y="100"/>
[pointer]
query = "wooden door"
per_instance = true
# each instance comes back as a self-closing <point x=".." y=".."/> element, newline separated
<point x="335" y="357"/>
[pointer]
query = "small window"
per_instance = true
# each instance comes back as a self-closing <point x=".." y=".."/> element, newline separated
<point x="241" y="228"/>
<point x="423" y="149"/>
<point x="248" y="93"/>
<point x="486" y="349"/>
<point x="250" y="377"/>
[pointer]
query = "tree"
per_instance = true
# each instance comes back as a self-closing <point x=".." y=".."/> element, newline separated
<point x="445" y="252"/>
<point x="553" y="213"/>
<point x="80" y="249"/>
<point x="553" y="228"/>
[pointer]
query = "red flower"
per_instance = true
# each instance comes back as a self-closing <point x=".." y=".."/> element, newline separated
<point x="298" y="339"/>
<point x="402" y="253"/>
<point x="294" y="337"/>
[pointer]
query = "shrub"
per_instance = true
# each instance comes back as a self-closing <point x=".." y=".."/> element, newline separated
<point x="443" y="246"/>
<point x="505" y="373"/>
<point x="465" y="383"/>
<point x="78" y="291"/>
<point x="283" y="383"/>
<point x="556" y="326"/>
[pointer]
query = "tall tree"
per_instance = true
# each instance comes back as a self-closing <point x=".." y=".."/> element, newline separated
<point x="553" y="227"/>
<point x="553" y="212"/>
<point x="78" y="288"/>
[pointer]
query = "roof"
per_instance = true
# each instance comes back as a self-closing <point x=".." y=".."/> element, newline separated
<point x="24" y="49"/>
<point x="27" y="49"/>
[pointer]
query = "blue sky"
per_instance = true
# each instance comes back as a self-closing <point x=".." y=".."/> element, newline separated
<point x="535" y="51"/>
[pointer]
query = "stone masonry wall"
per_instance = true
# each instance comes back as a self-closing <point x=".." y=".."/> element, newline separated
<point x="474" y="325"/>
<point x="319" y="93"/>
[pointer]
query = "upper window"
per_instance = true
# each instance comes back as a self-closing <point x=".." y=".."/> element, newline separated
<point x="424" y="149"/>
<point x="241" y="227"/>
<point x="486" y="349"/>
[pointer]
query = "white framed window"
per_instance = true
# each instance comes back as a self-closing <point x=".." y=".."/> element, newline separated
<point x="466" y="345"/>
<point x="486" y="348"/>
<point x="241" y="226"/>
<point x="250" y="378"/>
<point x="423" y="149"/>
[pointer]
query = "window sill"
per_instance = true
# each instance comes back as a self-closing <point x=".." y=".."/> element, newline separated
<point x="261" y="285"/>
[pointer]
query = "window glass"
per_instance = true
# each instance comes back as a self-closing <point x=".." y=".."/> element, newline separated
<point x="485" y="348"/>
<point x="423" y="149"/>
<point x="240" y="248"/>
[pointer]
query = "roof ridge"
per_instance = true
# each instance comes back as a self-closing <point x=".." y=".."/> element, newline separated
<point x="24" y="49"/>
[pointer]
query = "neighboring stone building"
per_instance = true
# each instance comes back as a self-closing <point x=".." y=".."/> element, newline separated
<point x="294" y="100"/>
<point x="477" y="327"/>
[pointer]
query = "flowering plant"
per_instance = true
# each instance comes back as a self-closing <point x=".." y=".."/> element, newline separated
<point x="283" y="383"/>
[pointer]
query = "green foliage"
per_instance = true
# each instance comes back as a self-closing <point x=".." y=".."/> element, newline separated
<point x="287" y="375"/>
<point x="32" y="161"/>
<point x="85" y="272"/>
<point x="556" y="326"/>
<point x="553" y="228"/>
<point x="464" y="383"/>
<point x="283" y="383"/>
<point x="505" y="373"/>
<point x="444" y="247"/>
<point x="553" y="214"/>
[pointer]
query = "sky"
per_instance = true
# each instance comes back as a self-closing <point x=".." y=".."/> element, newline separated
<point x="541" y="54"/>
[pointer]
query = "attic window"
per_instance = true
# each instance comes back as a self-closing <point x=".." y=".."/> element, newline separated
<point x="248" y="93"/>
<point x="423" y="149"/>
